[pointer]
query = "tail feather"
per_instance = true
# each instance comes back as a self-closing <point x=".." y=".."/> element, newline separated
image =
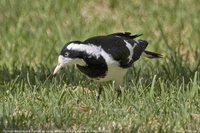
<point x="151" y="55"/>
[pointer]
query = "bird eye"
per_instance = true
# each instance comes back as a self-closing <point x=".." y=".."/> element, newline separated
<point x="66" y="54"/>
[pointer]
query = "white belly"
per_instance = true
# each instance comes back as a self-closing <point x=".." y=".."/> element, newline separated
<point x="114" y="73"/>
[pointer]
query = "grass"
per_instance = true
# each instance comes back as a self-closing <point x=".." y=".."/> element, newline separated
<point x="159" y="95"/>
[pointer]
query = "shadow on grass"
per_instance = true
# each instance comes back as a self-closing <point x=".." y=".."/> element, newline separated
<point x="171" y="69"/>
<point x="40" y="74"/>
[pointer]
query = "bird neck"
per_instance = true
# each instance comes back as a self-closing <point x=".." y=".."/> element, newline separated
<point x="79" y="61"/>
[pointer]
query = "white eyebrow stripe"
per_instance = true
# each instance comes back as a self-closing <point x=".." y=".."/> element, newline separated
<point x="89" y="48"/>
<point x="93" y="50"/>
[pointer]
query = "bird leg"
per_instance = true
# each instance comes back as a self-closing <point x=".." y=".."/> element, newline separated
<point x="99" y="91"/>
<point x="118" y="87"/>
<point x="119" y="92"/>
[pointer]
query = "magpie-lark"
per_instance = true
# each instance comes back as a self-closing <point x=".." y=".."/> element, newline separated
<point x="106" y="57"/>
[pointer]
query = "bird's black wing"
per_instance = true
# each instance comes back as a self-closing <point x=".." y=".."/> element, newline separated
<point x="125" y="34"/>
<point x="139" y="45"/>
<point x="115" y="45"/>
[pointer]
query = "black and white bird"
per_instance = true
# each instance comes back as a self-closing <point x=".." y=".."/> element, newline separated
<point x="106" y="57"/>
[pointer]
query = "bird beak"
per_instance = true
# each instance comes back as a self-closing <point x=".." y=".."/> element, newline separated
<point x="58" y="67"/>
<point x="61" y="62"/>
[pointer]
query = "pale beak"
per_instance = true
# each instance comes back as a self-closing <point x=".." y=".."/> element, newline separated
<point x="58" y="67"/>
<point x="61" y="62"/>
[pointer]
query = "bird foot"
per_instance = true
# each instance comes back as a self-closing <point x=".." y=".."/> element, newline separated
<point x="119" y="93"/>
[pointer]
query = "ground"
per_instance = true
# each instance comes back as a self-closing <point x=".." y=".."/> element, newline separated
<point x="159" y="95"/>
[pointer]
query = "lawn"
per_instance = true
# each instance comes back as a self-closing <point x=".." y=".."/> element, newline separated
<point x="158" y="95"/>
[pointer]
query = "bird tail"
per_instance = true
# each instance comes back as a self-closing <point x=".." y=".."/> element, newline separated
<point x="151" y="55"/>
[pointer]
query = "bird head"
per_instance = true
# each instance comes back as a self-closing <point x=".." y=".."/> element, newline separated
<point x="68" y="57"/>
